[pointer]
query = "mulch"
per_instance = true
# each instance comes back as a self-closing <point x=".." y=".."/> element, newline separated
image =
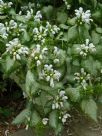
<point x="7" y="129"/>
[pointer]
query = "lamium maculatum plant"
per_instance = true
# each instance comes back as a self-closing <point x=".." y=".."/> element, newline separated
<point x="55" y="58"/>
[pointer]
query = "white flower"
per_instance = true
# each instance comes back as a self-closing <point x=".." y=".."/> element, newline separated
<point x="62" y="93"/>
<point x="67" y="5"/>
<point x="12" y="24"/>
<point x="17" y="50"/>
<point x="82" y="78"/>
<point x="84" y="16"/>
<point x="56" y="29"/>
<point x="49" y="74"/>
<point x="29" y="14"/>
<point x="52" y="29"/>
<point x="38" y="16"/>
<point x="56" y="51"/>
<point x="45" y="50"/>
<point x="59" y="100"/>
<point x="27" y="126"/>
<point x="53" y="106"/>
<point x="86" y="48"/>
<point x="45" y="121"/>
<point x="52" y="82"/>
<point x="64" y="118"/>
<point x="56" y="61"/>
<point x="56" y="75"/>
<point x="4" y="6"/>
<point x="39" y="34"/>
<point x="38" y="62"/>
<point x="3" y="31"/>
<point x="39" y="54"/>
<point x="35" y="30"/>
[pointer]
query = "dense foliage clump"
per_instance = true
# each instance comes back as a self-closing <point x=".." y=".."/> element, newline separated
<point x="52" y="50"/>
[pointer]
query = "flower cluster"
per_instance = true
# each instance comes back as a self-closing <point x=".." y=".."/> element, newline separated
<point x="83" y="16"/>
<point x="49" y="74"/>
<point x="63" y="117"/>
<point x="4" y="6"/>
<point x="41" y="32"/>
<point x="3" y="31"/>
<point x="83" y="78"/>
<point x="56" y="53"/>
<point x="66" y="3"/>
<point x="59" y="100"/>
<point x="11" y="28"/>
<point x="52" y="29"/>
<point x="39" y="54"/>
<point x="86" y="48"/>
<point x="12" y="24"/>
<point x="29" y="14"/>
<point x="38" y="16"/>
<point x="15" y="49"/>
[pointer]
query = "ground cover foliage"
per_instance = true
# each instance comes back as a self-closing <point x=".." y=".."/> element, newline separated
<point x="53" y="51"/>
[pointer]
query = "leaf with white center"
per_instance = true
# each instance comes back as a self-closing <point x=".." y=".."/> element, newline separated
<point x="9" y="63"/>
<point x="22" y="117"/>
<point x="89" y="107"/>
<point x="30" y="83"/>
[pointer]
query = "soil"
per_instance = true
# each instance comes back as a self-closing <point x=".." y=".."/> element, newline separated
<point x="10" y="106"/>
<point x="6" y="129"/>
<point x="77" y="126"/>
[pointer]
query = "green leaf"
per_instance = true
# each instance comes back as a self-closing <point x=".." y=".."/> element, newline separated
<point x="62" y="17"/>
<point x="9" y="63"/>
<point x="97" y="16"/>
<point x="35" y="118"/>
<point x="26" y="36"/>
<point x="76" y="63"/>
<point x="21" y="118"/>
<point x="20" y="18"/>
<point x="48" y="10"/>
<point x="95" y="37"/>
<point x="99" y="30"/>
<point x="84" y="32"/>
<point x="71" y="21"/>
<point x="59" y="129"/>
<point x="94" y="3"/>
<point x="91" y="65"/>
<point x="53" y="119"/>
<point x="72" y="33"/>
<point x="30" y="83"/>
<point x="82" y="1"/>
<point x="89" y="107"/>
<point x="12" y="11"/>
<point x="65" y="37"/>
<point x="66" y="106"/>
<point x="63" y="26"/>
<point x="73" y="93"/>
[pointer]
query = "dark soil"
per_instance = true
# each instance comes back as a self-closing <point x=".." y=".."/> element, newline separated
<point x="11" y="103"/>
